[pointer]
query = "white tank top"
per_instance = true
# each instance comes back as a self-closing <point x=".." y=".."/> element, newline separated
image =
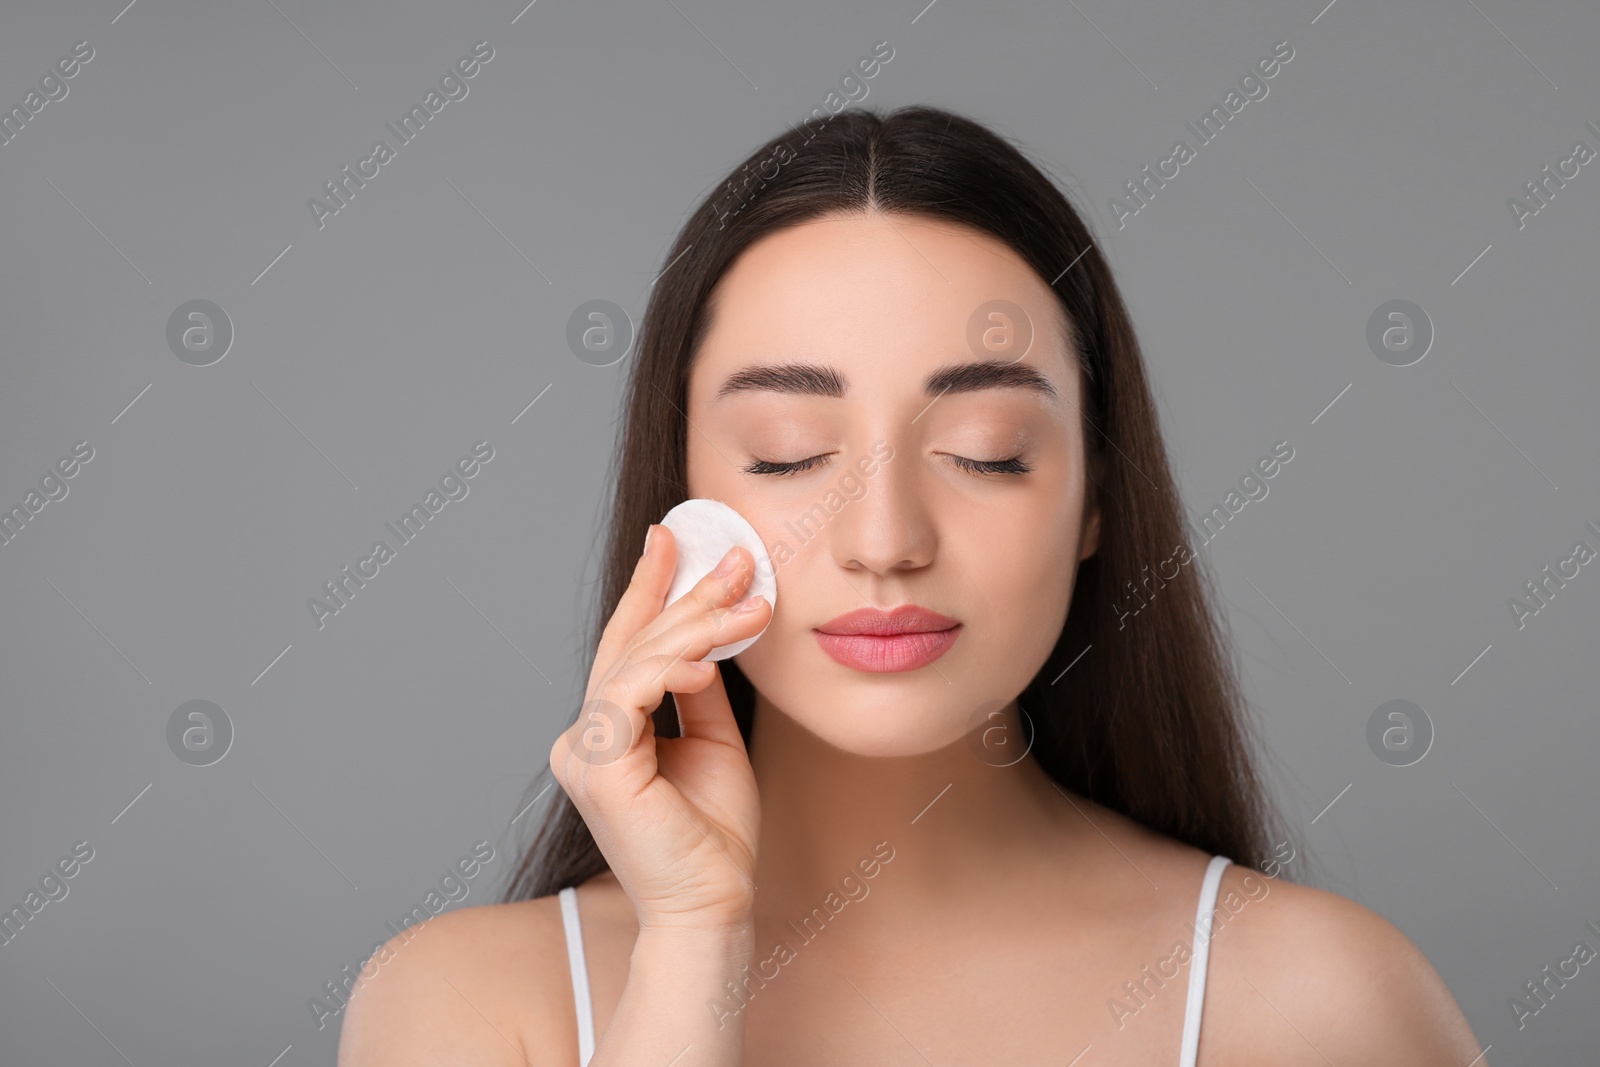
<point x="1199" y="955"/>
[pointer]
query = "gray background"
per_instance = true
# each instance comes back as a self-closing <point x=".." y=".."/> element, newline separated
<point x="428" y="314"/>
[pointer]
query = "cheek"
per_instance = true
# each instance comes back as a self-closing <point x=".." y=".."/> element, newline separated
<point x="1038" y="530"/>
<point x="709" y="475"/>
<point x="1033" y="569"/>
<point x="1024" y="589"/>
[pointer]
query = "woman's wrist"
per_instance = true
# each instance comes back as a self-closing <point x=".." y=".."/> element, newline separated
<point x="712" y="942"/>
<point x="678" y="978"/>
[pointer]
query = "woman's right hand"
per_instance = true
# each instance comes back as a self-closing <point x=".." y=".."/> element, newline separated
<point x="677" y="819"/>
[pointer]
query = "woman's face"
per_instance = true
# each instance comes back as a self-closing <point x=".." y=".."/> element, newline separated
<point x="823" y="341"/>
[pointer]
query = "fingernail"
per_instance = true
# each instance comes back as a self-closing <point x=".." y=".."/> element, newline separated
<point x="647" y="533"/>
<point x="749" y="605"/>
<point x="729" y="562"/>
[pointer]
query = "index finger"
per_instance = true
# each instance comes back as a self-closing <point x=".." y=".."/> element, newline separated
<point x="645" y="595"/>
<point x="654" y="578"/>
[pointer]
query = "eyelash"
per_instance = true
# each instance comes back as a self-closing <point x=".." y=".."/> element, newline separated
<point x="1013" y="465"/>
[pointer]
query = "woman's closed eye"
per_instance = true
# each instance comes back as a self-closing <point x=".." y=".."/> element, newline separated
<point x="1012" y="465"/>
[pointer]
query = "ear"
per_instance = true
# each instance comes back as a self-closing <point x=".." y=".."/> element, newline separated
<point x="1091" y="534"/>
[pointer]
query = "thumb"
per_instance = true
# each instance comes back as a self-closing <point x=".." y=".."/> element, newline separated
<point x="708" y="715"/>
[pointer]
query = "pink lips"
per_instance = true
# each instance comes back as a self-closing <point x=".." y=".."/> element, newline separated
<point x="869" y="639"/>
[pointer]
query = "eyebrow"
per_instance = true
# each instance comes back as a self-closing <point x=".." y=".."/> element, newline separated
<point x="815" y="379"/>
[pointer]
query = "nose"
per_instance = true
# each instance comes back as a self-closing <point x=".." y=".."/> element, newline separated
<point x="890" y="528"/>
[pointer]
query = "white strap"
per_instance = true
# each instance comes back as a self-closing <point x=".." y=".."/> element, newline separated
<point x="1198" y="958"/>
<point x="580" y="973"/>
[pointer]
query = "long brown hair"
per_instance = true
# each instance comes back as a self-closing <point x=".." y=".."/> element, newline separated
<point x="1150" y="721"/>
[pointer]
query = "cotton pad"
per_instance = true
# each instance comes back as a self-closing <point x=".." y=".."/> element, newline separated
<point x="704" y="531"/>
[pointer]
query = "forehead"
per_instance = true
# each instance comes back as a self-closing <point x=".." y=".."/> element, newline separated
<point x="886" y="299"/>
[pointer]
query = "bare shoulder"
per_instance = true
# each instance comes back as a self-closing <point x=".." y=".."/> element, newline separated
<point x="1299" y="975"/>
<point x="483" y="985"/>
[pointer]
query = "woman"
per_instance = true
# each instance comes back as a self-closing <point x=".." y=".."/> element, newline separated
<point x="957" y="804"/>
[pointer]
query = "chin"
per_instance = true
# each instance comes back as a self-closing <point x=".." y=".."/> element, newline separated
<point x="863" y="725"/>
